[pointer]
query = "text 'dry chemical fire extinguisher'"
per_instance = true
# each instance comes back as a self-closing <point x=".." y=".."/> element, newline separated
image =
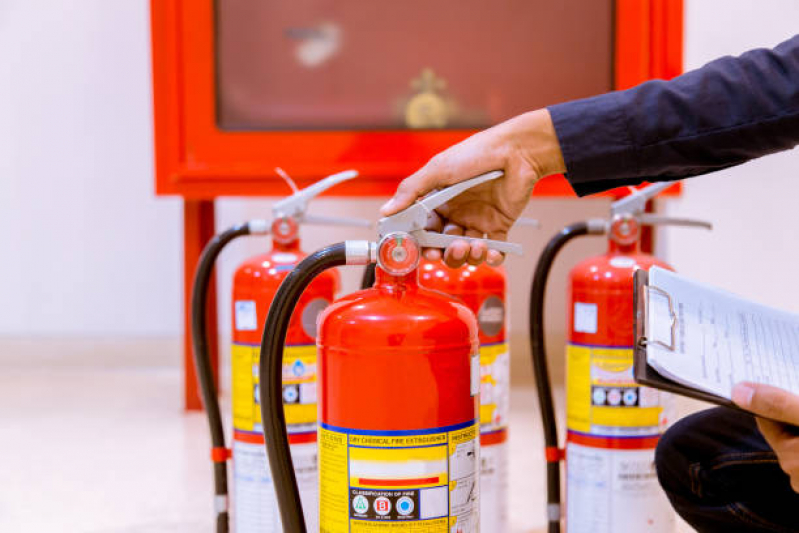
<point x="399" y="370"/>
<point x="613" y="424"/>
<point x="255" y="283"/>
<point x="483" y="288"/>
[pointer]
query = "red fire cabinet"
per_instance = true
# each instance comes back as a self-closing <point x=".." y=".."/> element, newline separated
<point x="320" y="86"/>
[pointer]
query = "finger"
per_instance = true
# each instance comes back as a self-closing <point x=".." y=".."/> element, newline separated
<point x="413" y="187"/>
<point x="477" y="249"/>
<point x="456" y="254"/>
<point x="773" y="432"/>
<point x="435" y="222"/>
<point x="785" y="445"/>
<point x="451" y="228"/>
<point x="433" y="254"/>
<point x="767" y="401"/>
<point x="494" y="258"/>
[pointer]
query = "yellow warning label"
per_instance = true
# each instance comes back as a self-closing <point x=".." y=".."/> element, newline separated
<point x="427" y="526"/>
<point x="602" y="394"/>
<point x="410" y="481"/>
<point x="299" y="387"/>
<point x="494" y="387"/>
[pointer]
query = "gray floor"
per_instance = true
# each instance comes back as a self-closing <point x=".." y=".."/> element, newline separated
<point x="94" y="440"/>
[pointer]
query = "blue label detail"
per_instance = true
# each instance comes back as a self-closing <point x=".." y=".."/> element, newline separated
<point x="399" y="433"/>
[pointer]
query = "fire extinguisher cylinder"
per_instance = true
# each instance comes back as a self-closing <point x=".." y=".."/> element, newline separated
<point x="402" y="236"/>
<point x="288" y="215"/>
<point x="607" y="291"/>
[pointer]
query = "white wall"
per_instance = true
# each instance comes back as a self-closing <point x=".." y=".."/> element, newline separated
<point x="86" y="247"/>
<point x="754" y="248"/>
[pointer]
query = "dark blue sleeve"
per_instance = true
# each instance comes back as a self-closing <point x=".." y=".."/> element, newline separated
<point x="730" y="111"/>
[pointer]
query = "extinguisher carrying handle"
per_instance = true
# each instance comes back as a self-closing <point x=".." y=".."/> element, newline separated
<point x="297" y="204"/>
<point x="413" y="219"/>
<point x="271" y="369"/>
<point x="539" y="358"/>
<point x="202" y="359"/>
<point x="650" y="219"/>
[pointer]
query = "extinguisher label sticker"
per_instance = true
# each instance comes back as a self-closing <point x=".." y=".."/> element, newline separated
<point x="610" y="490"/>
<point x="604" y="400"/>
<point x="245" y="317"/>
<point x="299" y="388"/>
<point x="494" y="387"/>
<point x="254" y="502"/>
<point x="475" y="374"/>
<point x="586" y="317"/>
<point x="417" y="481"/>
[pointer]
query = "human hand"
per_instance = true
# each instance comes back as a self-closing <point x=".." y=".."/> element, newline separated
<point x="525" y="148"/>
<point x="780" y="422"/>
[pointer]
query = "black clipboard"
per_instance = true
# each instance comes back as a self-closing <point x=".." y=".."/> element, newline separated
<point x="642" y="372"/>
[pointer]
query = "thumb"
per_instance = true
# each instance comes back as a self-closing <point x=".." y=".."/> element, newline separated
<point x="767" y="401"/>
<point x="410" y="189"/>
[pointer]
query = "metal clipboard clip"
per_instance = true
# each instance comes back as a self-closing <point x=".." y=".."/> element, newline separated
<point x="647" y="339"/>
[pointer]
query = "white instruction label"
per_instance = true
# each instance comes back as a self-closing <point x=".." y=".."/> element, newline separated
<point x="585" y="317"/>
<point x="609" y="491"/>
<point x="245" y="316"/>
<point x="254" y="501"/>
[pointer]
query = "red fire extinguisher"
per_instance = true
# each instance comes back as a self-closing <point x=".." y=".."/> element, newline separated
<point x="398" y="398"/>
<point x="254" y="285"/>
<point x="613" y="424"/>
<point x="482" y="289"/>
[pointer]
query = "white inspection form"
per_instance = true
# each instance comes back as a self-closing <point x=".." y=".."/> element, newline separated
<point x="719" y="339"/>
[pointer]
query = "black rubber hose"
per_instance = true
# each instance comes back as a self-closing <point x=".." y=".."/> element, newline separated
<point x="368" y="279"/>
<point x="271" y="372"/>
<point x="540" y="367"/>
<point x="202" y="359"/>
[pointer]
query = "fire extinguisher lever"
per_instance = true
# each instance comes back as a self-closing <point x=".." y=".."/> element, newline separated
<point x="629" y="213"/>
<point x="321" y="220"/>
<point x="413" y="220"/>
<point x="635" y="202"/>
<point x="650" y="219"/>
<point x="296" y="205"/>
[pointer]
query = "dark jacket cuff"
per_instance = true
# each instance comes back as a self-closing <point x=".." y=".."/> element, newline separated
<point x="595" y="142"/>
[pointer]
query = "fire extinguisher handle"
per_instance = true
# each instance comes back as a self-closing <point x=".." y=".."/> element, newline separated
<point x="321" y="220"/>
<point x="527" y="221"/>
<point x="413" y="220"/>
<point x="659" y="220"/>
<point x="635" y="203"/>
<point x="432" y="239"/>
<point x="296" y="204"/>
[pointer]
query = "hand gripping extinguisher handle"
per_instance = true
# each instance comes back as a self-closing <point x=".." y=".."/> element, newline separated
<point x="539" y="359"/>
<point x="202" y="360"/>
<point x="271" y="371"/>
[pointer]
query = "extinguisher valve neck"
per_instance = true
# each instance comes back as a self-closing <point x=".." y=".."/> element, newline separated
<point x="360" y="252"/>
<point x="259" y="226"/>
<point x="597" y="226"/>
